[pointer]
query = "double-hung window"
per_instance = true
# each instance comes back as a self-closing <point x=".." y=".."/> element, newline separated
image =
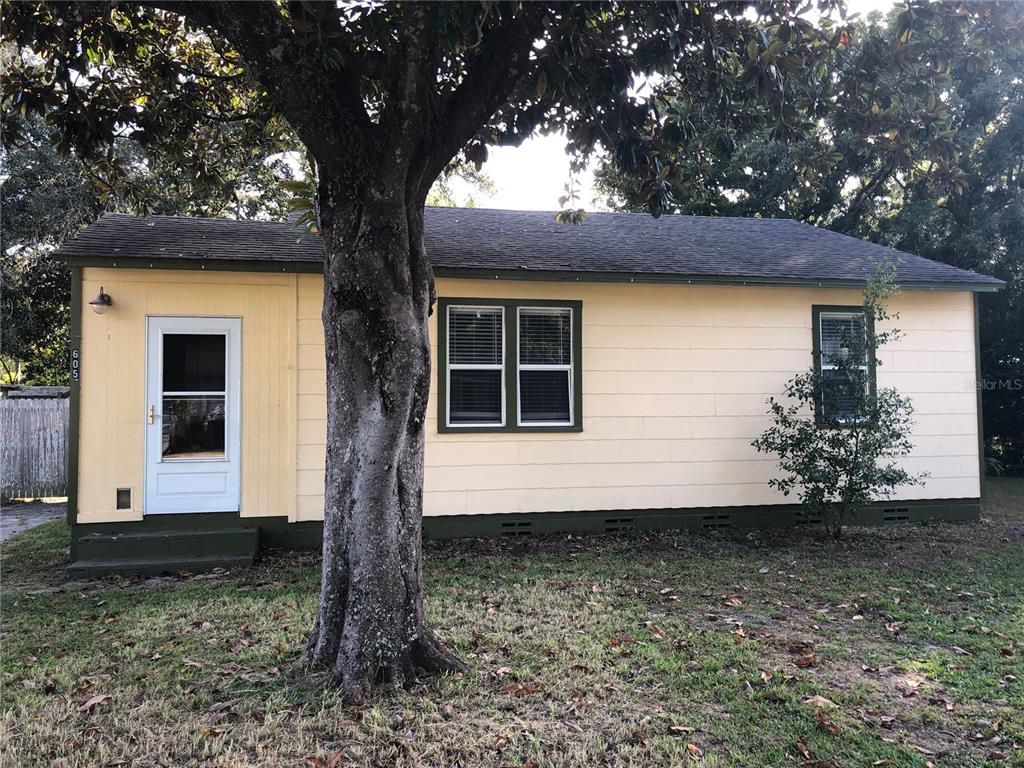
<point x="476" y="366"/>
<point x="545" y="365"/>
<point x="509" y="365"/>
<point x="843" y="361"/>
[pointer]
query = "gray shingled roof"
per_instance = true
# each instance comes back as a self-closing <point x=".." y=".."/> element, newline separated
<point x="481" y="241"/>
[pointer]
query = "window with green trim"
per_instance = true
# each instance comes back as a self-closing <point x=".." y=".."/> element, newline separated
<point x="509" y="365"/>
<point x="843" y="362"/>
<point x="545" y="365"/>
<point x="476" y="357"/>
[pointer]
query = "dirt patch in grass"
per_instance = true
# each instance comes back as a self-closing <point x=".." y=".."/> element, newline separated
<point x="898" y="646"/>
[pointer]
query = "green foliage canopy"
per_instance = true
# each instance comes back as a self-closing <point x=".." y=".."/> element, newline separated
<point x="921" y="149"/>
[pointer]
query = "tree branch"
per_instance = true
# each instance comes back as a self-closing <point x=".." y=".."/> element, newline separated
<point x="308" y="92"/>
<point x="501" y="62"/>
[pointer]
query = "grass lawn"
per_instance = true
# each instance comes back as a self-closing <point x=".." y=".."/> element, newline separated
<point x="900" y="646"/>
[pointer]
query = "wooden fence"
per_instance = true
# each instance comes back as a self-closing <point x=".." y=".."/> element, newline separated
<point x="33" y="447"/>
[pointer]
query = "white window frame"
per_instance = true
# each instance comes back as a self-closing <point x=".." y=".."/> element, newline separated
<point x="865" y="365"/>
<point x="449" y="366"/>
<point x="520" y="366"/>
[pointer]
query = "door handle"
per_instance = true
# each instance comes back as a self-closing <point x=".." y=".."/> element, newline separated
<point x="152" y="414"/>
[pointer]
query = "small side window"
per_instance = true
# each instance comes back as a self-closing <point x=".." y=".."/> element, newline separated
<point x="843" y="362"/>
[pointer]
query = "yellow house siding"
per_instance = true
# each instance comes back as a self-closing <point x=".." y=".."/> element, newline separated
<point x="112" y="385"/>
<point x="675" y="380"/>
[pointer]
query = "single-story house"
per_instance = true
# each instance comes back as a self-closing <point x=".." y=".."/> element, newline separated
<point x="600" y="377"/>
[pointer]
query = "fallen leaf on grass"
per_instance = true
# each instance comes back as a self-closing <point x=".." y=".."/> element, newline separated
<point x="92" y="702"/>
<point x="694" y="751"/>
<point x="827" y="724"/>
<point x="949" y="704"/>
<point x="732" y="600"/>
<point x="677" y="730"/>
<point x="333" y="759"/>
<point x="658" y="632"/>
<point x="805" y="661"/>
<point x="820" y="701"/>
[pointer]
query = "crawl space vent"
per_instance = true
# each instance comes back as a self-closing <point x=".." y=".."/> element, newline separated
<point x="618" y="524"/>
<point x="896" y="515"/>
<point x="520" y="528"/>
<point x="715" y="522"/>
<point x="803" y="517"/>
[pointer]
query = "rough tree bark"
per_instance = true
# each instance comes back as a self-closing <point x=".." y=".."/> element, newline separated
<point x="373" y="179"/>
<point x="378" y="294"/>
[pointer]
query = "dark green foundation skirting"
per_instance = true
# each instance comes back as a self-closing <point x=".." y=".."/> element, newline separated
<point x="166" y="543"/>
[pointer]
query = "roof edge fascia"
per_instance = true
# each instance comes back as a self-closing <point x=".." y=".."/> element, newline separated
<point x="476" y="273"/>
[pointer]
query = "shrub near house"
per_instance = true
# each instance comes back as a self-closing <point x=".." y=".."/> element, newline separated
<point x="839" y="438"/>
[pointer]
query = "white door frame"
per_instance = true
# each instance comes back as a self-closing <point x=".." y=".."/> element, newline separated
<point x="201" y="484"/>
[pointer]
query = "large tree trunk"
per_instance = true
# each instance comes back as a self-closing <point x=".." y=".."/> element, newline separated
<point x="378" y="293"/>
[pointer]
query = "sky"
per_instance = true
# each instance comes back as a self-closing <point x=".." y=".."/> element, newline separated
<point x="532" y="176"/>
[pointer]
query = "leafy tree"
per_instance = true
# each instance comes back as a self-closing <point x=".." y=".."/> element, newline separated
<point x="869" y="168"/>
<point x="837" y="437"/>
<point x="445" y="194"/>
<point x="47" y="197"/>
<point x="383" y="97"/>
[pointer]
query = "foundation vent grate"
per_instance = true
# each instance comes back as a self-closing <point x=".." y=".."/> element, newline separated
<point x="618" y="524"/>
<point x="716" y="522"/>
<point x="896" y="515"/>
<point x="803" y="517"/>
<point x="519" y="528"/>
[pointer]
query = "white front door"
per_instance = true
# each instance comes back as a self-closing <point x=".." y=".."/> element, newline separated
<point x="193" y="410"/>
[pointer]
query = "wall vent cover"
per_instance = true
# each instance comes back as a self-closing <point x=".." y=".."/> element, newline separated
<point x="803" y="517"/>
<point x="896" y="515"/>
<point x="519" y="528"/>
<point x="715" y="522"/>
<point x="124" y="498"/>
<point x="618" y="524"/>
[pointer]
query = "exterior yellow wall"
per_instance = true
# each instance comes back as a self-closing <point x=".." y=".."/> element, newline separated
<point x="675" y="380"/>
<point x="113" y="375"/>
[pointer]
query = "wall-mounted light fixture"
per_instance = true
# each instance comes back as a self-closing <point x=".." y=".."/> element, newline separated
<point x="101" y="303"/>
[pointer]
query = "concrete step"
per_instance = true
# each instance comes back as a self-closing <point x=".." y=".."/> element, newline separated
<point x="155" y="566"/>
<point x="186" y="543"/>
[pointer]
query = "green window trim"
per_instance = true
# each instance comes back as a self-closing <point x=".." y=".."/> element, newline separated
<point x="510" y="384"/>
<point x="817" y="310"/>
